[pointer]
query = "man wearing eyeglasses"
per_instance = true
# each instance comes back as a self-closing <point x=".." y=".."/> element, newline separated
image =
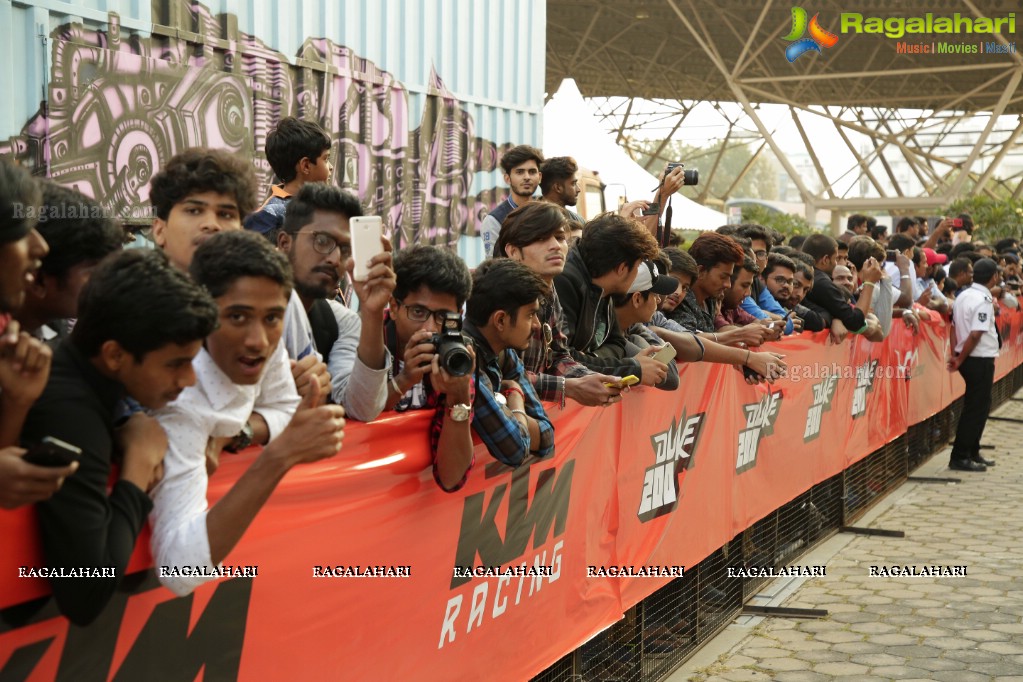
<point x="779" y="275"/>
<point x="316" y="239"/>
<point x="431" y="284"/>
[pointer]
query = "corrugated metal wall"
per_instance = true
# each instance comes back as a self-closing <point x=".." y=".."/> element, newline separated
<point x="438" y="86"/>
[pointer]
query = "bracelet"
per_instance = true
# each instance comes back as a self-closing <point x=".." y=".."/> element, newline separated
<point x="715" y="338"/>
<point x="513" y="389"/>
<point x="746" y="361"/>
<point x="522" y="412"/>
<point x="872" y="284"/>
<point x="907" y="277"/>
<point x="396" y="387"/>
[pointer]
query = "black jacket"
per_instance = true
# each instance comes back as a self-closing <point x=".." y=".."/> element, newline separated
<point x="826" y="297"/>
<point x="585" y="309"/>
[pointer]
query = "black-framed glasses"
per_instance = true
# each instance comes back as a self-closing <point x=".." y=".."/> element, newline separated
<point x="324" y="244"/>
<point x="420" y="313"/>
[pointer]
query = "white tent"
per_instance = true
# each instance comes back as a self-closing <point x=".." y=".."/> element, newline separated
<point x="570" y="129"/>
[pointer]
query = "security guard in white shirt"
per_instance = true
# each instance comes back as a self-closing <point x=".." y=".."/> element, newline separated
<point x="976" y="343"/>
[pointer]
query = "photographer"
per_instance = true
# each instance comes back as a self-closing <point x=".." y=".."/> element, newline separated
<point x="432" y="286"/>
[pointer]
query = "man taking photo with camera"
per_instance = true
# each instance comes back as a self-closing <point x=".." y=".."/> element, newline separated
<point x="432" y="286"/>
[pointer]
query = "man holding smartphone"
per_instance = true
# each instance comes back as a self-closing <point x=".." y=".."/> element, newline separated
<point x="634" y="310"/>
<point x="316" y="236"/>
<point x="124" y="343"/>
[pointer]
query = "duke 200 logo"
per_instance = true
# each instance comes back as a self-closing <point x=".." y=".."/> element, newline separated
<point x="760" y="419"/>
<point x="864" y="384"/>
<point x="673" y="454"/>
<point x="822" y="395"/>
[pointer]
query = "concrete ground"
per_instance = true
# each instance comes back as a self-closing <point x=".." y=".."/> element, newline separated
<point x="958" y="629"/>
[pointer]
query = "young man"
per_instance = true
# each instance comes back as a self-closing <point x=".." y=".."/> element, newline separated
<point x="802" y="282"/>
<point x="432" y="286"/>
<point x="521" y="166"/>
<point x="559" y="183"/>
<point x="779" y="276"/>
<point x="634" y="310"/>
<point x="716" y="257"/>
<point x="79" y="237"/>
<point x="975" y="346"/>
<point x="604" y="263"/>
<point x="688" y="346"/>
<point x="500" y="318"/>
<point x="24" y="361"/>
<point x="201" y="192"/>
<point x="730" y="312"/>
<point x="298" y="152"/>
<point x="242" y="372"/>
<point x="844" y="278"/>
<point x="535" y="234"/>
<point x="140" y="323"/>
<point x="855" y="225"/>
<point x="317" y="240"/>
<point x="825" y="296"/>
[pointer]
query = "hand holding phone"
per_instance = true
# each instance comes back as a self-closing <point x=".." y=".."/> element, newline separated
<point x="666" y="354"/>
<point x="623" y="382"/>
<point x="53" y="452"/>
<point x="367" y="241"/>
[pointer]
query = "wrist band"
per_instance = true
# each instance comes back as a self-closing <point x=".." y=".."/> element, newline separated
<point x="907" y="277"/>
<point x="396" y="387"/>
<point x="745" y="363"/>
<point x="872" y="284"/>
<point x="513" y="389"/>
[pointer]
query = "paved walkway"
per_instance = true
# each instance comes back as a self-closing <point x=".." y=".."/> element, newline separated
<point x="958" y="629"/>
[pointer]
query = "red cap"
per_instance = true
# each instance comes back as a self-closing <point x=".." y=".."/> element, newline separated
<point x="935" y="258"/>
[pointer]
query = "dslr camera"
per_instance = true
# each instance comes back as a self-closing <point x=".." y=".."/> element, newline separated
<point x="450" y="345"/>
<point x="689" y="177"/>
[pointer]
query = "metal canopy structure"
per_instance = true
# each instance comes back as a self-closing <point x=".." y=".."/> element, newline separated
<point x="734" y="50"/>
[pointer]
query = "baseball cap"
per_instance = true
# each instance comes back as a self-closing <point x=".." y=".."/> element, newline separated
<point x="935" y="258"/>
<point x="648" y="279"/>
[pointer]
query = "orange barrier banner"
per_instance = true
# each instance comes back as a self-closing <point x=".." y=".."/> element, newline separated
<point x="361" y="568"/>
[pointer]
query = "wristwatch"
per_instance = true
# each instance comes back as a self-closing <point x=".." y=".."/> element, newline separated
<point x="242" y="440"/>
<point x="460" y="412"/>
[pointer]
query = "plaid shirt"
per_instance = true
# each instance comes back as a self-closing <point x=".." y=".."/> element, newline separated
<point x="736" y="316"/>
<point x="506" y="438"/>
<point x="547" y="361"/>
<point x="691" y="315"/>
<point x="423" y="397"/>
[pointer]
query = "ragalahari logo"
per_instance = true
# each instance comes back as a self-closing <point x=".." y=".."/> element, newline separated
<point x="818" y="36"/>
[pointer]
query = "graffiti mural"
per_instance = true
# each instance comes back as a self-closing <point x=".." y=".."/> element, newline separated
<point x="120" y="105"/>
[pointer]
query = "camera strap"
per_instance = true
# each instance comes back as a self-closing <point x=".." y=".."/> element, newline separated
<point x="666" y="230"/>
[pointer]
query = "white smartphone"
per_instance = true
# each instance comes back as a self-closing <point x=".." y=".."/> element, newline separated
<point x="666" y="354"/>
<point x="367" y="241"/>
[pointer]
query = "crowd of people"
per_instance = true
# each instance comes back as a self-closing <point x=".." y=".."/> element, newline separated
<point x="127" y="374"/>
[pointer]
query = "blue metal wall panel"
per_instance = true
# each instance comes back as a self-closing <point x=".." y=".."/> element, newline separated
<point x="456" y="80"/>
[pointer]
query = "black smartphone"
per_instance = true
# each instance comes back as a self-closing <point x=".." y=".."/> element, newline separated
<point x="892" y="255"/>
<point x="652" y="209"/>
<point x="53" y="452"/>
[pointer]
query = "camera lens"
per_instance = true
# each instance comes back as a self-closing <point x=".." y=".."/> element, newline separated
<point x="691" y="177"/>
<point x="455" y="358"/>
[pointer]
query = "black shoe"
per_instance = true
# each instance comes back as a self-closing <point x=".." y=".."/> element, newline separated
<point x="980" y="460"/>
<point x="966" y="465"/>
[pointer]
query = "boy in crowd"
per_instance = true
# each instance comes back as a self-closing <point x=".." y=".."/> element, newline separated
<point x="535" y="234"/>
<point x="140" y="323"/>
<point x="432" y="286"/>
<point x="317" y="240"/>
<point x="604" y="263"/>
<point x="79" y="237"/>
<point x="199" y="193"/>
<point x="521" y="166"/>
<point x="24" y="361"/>
<point x="716" y="257"/>
<point x="242" y="372"/>
<point x="825" y="296"/>
<point x="634" y="310"/>
<point x="298" y="151"/>
<point x="500" y="318"/>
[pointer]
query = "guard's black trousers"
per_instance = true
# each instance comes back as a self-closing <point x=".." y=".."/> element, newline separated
<point x="979" y="375"/>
